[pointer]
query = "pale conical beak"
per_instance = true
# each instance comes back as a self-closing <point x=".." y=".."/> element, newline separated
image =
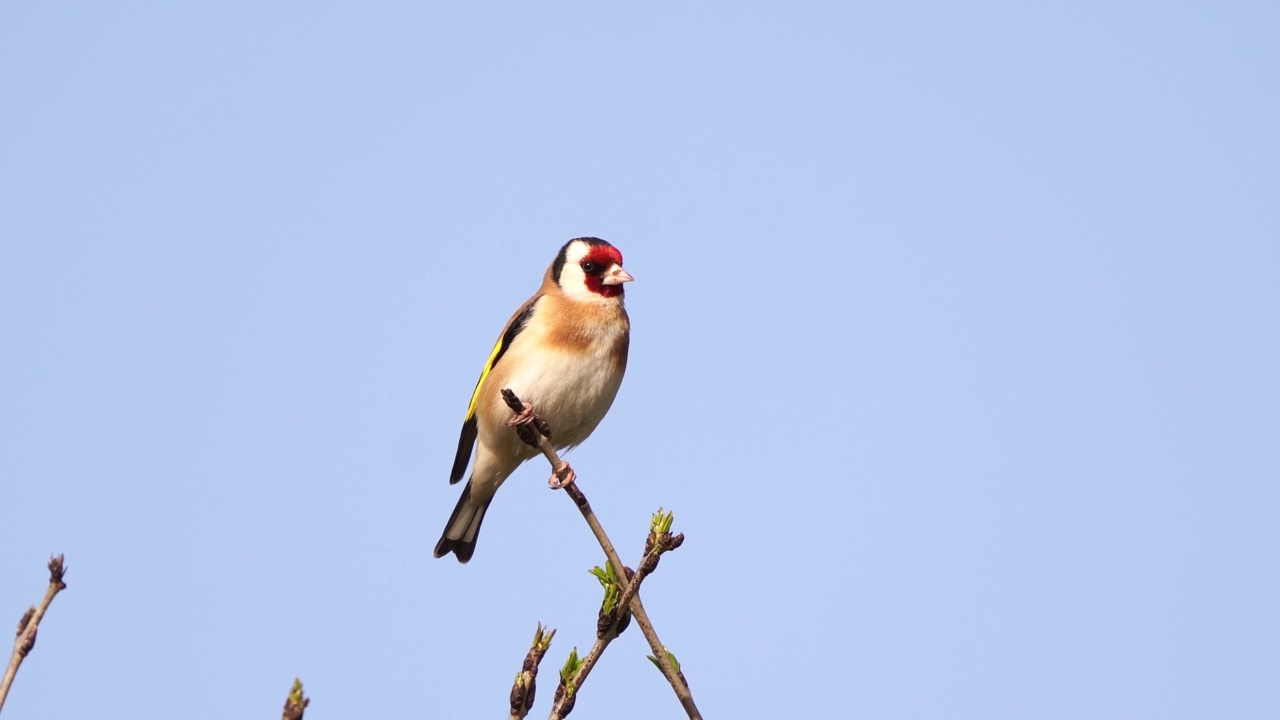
<point x="616" y="276"/>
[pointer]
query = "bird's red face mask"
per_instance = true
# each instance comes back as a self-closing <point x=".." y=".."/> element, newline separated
<point x="603" y="270"/>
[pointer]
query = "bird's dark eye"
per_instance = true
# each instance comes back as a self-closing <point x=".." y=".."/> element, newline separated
<point x="589" y="267"/>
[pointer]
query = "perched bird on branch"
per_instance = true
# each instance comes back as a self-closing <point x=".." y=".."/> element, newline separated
<point x="563" y="353"/>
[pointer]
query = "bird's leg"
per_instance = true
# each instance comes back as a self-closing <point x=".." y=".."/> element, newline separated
<point x="529" y="426"/>
<point x="562" y="476"/>
<point x="524" y="417"/>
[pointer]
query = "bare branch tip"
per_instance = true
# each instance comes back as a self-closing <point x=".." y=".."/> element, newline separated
<point x="57" y="570"/>
<point x="512" y="401"/>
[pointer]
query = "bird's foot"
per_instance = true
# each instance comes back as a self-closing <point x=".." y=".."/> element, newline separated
<point x="524" y="417"/>
<point x="562" y="477"/>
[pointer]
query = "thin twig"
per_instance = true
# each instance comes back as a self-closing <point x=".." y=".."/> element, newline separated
<point x="526" y="684"/>
<point x="542" y="442"/>
<point x="30" y="624"/>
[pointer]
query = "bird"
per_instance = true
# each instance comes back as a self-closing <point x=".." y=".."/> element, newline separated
<point x="563" y="353"/>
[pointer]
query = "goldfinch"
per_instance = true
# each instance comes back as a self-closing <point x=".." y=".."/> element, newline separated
<point x="563" y="353"/>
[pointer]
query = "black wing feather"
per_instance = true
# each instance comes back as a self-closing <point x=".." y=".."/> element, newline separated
<point x="470" y="430"/>
<point x="471" y="427"/>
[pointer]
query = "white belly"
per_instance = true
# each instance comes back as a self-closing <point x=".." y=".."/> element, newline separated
<point x="571" y="391"/>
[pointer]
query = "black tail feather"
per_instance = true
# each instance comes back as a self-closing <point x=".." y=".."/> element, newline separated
<point x="465" y="545"/>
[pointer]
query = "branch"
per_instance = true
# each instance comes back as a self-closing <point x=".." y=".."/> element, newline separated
<point x="541" y="439"/>
<point x="526" y="684"/>
<point x="614" y="618"/>
<point x="296" y="703"/>
<point x="30" y="623"/>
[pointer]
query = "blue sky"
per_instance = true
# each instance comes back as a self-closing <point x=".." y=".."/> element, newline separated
<point x="954" y="352"/>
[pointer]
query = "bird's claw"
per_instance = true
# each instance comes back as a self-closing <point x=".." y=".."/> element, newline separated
<point x="524" y="417"/>
<point x="562" y="477"/>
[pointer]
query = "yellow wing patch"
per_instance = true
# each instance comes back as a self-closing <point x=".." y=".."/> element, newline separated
<point x="488" y="367"/>
<point x="504" y="343"/>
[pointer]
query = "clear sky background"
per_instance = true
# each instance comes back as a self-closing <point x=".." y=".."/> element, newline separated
<point x="955" y="353"/>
